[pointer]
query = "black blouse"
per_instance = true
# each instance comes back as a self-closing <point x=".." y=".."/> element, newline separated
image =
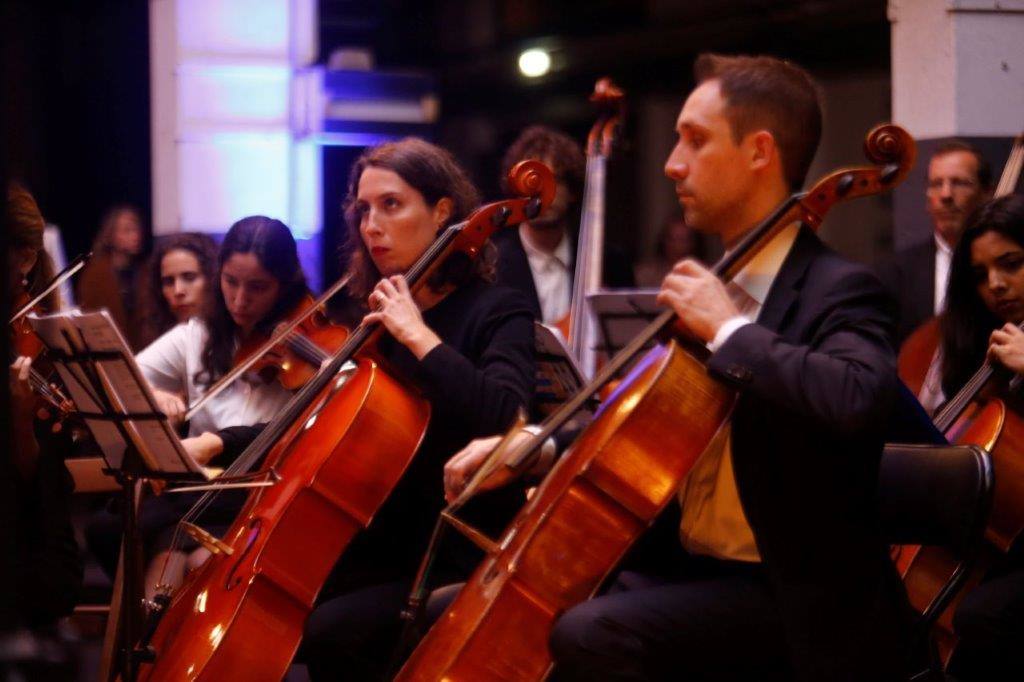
<point x="476" y="381"/>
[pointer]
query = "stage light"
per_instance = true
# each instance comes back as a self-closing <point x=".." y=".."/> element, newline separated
<point x="534" y="63"/>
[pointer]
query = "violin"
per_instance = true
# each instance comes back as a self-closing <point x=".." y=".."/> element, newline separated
<point x="617" y="476"/>
<point x="335" y="452"/>
<point x="301" y="343"/>
<point x="297" y="358"/>
<point x="25" y="343"/>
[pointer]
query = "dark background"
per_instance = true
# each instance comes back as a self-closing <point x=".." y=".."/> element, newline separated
<point x="76" y="74"/>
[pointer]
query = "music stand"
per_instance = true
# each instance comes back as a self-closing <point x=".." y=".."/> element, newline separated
<point x="622" y="314"/>
<point x="135" y="437"/>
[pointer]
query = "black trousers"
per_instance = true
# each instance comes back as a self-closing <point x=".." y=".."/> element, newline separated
<point x="990" y="624"/>
<point x="355" y="636"/>
<point x="712" y="621"/>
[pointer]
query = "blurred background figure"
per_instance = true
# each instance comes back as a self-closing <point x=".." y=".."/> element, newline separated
<point x="675" y="242"/>
<point x="110" y="280"/>
<point x="178" y="283"/>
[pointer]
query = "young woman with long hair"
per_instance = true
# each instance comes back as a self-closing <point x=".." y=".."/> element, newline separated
<point x="179" y="283"/>
<point x="462" y="341"/>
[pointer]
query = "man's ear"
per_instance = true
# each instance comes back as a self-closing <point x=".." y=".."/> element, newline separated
<point x="763" y="151"/>
<point x="443" y="211"/>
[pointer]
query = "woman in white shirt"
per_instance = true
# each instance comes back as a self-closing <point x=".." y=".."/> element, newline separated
<point x="260" y="280"/>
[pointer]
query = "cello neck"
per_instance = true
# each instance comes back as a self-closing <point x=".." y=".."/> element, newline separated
<point x="947" y="416"/>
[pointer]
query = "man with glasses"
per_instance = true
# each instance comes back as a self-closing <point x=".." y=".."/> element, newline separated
<point x="959" y="178"/>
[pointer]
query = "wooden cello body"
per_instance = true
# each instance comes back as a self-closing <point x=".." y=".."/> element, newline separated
<point x="612" y="483"/>
<point x="925" y="570"/>
<point x="335" y="452"/>
<point x="581" y="520"/>
<point x="917" y="353"/>
<point x="251" y="604"/>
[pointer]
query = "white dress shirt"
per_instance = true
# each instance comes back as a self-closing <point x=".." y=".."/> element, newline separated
<point x="550" y="277"/>
<point x="171" y="363"/>
<point x="943" y="257"/>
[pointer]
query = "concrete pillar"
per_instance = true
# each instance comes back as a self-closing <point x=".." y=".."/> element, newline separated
<point x="957" y="71"/>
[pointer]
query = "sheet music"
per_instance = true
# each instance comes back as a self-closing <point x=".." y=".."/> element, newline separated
<point x="558" y="376"/>
<point x="121" y="383"/>
<point x="59" y="333"/>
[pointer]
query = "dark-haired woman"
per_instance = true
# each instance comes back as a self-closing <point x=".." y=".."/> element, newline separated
<point x="40" y="555"/>
<point x="985" y="305"/>
<point x="260" y="280"/>
<point x="465" y="343"/>
<point x="179" y="283"/>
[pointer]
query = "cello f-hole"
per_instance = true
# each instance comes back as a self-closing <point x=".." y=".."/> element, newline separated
<point x="232" y="581"/>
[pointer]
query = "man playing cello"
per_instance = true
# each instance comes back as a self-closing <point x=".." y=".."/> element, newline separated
<point x="785" y="573"/>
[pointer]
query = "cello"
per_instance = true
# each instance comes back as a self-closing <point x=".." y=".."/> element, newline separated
<point x="969" y="419"/>
<point x="618" y="475"/>
<point x="334" y="454"/>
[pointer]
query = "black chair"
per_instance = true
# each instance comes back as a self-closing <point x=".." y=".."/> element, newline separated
<point x="938" y="495"/>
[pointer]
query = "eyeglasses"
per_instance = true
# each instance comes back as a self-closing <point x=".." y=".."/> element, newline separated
<point x="955" y="184"/>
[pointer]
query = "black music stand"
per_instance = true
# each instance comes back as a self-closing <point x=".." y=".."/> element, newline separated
<point x="137" y="441"/>
<point x="622" y="314"/>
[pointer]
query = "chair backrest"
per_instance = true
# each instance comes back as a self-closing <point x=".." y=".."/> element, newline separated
<point x="935" y="495"/>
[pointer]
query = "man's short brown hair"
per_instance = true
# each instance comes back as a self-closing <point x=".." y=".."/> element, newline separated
<point x="765" y="93"/>
<point x="957" y="145"/>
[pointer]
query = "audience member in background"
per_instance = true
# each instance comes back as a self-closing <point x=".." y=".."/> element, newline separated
<point x="959" y="179"/>
<point x="676" y="241"/>
<point x="179" y="283"/>
<point x="110" y="279"/>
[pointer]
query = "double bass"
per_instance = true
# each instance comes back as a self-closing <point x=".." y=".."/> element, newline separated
<point x="334" y="453"/>
<point x="618" y="475"/>
<point x="581" y="328"/>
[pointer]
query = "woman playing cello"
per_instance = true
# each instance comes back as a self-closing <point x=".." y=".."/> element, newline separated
<point x="464" y="342"/>
<point x="985" y="305"/>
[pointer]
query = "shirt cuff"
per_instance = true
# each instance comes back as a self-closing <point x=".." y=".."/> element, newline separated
<point x="726" y="330"/>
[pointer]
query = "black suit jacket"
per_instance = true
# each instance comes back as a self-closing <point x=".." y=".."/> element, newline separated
<point x="817" y="382"/>
<point x="909" y="275"/>
<point x="514" y="268"/>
